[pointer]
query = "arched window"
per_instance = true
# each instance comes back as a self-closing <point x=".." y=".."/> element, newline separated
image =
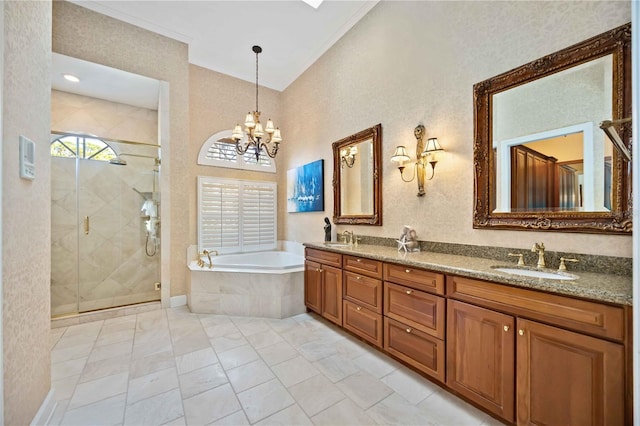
<point x="223" y="154"/>
<point x="80" y="146"/>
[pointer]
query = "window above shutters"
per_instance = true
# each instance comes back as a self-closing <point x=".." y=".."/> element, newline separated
<point x="223" y="154"/>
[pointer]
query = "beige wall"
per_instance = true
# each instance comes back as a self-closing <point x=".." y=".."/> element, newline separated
<point x="407" y="63"/>
<point x="26" y="207"/>
<point x="217" y="102"/>
<point x="81" y="33"/>
<point x="106" y="119"/>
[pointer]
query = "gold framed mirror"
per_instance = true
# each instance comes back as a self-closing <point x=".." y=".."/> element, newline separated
<point x="541" y="160"/>
<point x="357" y="178"/>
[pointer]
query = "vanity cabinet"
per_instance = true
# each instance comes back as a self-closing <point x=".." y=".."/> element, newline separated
<point x="542" y="343"/>
<point x="323" y="284"/>
<point x="523" y="355"/>
<point x="362" y="294"/>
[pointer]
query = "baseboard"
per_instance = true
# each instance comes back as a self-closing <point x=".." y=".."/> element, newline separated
<point x="178" y="300"/>
<point x="46" y="410"/>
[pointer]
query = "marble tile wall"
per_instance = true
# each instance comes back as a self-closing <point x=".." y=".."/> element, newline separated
<point x="114" y="268"/>
<point x="246" y="294"/>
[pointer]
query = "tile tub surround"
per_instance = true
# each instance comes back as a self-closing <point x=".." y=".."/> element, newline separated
<point x="589" y="285"/>
<point x="246" y="293"/>
<point x="588" y="262"/>
<point x="172" y="367"/>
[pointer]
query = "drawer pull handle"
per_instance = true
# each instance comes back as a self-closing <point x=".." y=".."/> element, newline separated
<point x="409" y="291"/>
<point x="408" y="330"/>
<point x="407" y="270"/>
<point x="358" y="308"/>
<point x="358" y="260"/>
<point x="505" y="328"/>
<point x="357" y="277"/>
<point x="521" y="332"/>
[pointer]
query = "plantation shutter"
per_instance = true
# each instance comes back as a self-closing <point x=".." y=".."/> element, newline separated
<point x="236" y="216"/>
<point x="259" y="216"/>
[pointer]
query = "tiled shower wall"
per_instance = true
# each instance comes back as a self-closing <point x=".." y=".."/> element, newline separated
<point x="114" y="268"/>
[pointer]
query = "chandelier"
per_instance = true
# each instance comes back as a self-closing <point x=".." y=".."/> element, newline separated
<point x="254" y="131"/>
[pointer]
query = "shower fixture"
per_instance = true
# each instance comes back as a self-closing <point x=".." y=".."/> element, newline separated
<point x="118" y="161"/>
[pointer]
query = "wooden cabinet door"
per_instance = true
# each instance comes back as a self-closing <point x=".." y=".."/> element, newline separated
<point x="332" y="294"/>
<point x="480" y="356"/>
<point x="313" y="286"/>
<point x="566" y="378"/>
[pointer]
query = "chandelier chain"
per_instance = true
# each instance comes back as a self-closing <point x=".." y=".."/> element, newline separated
<point x="257" y="53"/>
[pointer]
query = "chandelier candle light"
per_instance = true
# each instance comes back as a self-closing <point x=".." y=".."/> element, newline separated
<point x="254" y="130"/>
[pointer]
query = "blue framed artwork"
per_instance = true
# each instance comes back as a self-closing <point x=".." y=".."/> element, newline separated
<point x="305" y="188"/>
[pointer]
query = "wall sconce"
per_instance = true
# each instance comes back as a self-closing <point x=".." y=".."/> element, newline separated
<point x="424" y="154"/>
<point x="348" y="156"/>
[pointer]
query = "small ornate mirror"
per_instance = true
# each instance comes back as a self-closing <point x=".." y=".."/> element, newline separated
<point x="357" y="178"/>
<point x="542" y="161"/>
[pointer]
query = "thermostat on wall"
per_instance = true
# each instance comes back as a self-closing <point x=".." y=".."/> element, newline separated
<point x="27" y="158"/>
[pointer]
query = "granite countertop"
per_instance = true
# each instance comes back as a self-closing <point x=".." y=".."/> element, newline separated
<point x="598" y="287"/>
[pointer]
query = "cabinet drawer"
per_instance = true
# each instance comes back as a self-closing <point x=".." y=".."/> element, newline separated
<point x="418" y="309"/>
<point x="580" y="315"/>
<point x="363" y="322"/>
<point x="360" y="265"/>
<point x="324" y="257"/>
<point x="422" y="351"/>
<point x="413" y="277"/>
<point x="363" y="290"/>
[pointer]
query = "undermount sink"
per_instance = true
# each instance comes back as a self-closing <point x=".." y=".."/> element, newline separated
<point x="550" y="275"/>
<point x="335" y="244"/>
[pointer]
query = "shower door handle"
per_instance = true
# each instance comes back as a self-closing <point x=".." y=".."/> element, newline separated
<point x="86" y="225"/>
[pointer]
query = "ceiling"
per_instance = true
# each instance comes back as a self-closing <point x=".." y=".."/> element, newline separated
<point x="220" y="34"/>
<point x="102" y="82"/>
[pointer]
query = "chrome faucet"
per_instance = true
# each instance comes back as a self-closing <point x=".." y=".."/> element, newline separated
<point x="539" y="248"/>
<point x="348" y="234"/>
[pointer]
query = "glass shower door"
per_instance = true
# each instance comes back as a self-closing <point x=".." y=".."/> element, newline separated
<point x="114" y="268"/>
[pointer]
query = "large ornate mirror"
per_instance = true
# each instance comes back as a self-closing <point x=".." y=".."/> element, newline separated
<point x="541" y="160"/>
<point x="357" y="178"/>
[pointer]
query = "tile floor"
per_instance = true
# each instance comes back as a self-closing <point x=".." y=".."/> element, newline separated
<point x="177" y="368"/>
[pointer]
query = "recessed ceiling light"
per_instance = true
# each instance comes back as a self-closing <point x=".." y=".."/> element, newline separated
<point x="313" y="3"/>
<point x="71" y="77"/>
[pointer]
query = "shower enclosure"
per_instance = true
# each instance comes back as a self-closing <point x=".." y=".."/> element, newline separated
<point x="105" y="249"/>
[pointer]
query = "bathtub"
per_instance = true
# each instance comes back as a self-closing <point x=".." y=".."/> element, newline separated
<point x="267" y="262"/>
<point x="262" y="284"/>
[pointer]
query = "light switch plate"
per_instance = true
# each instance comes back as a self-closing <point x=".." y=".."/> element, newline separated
<point x="27" y="158"/>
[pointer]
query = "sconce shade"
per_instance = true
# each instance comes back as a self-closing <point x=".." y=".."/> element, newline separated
<point x="400" y="156"/>
<point x="432" y="147"/>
